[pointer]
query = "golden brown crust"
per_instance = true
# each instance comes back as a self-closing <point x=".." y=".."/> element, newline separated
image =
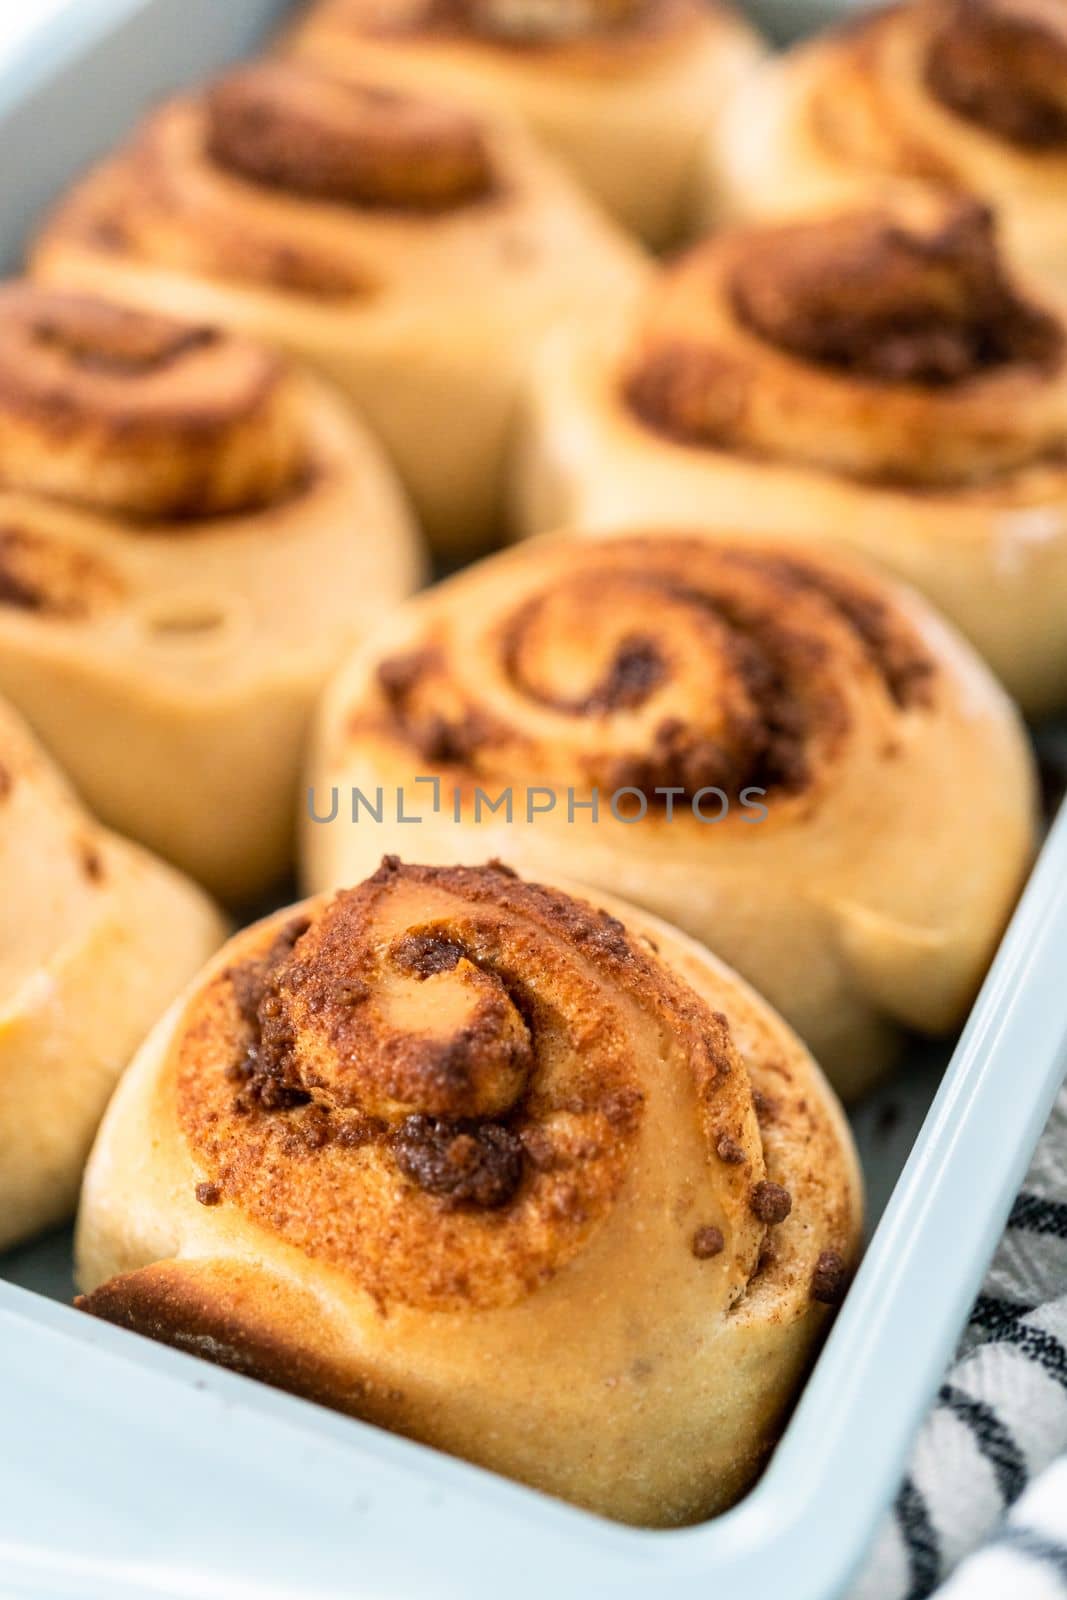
<point x="278" y="124"/>
<point x="208" y="1310"/>
<point x="655" y="664"/>
<point x="478" y="1116"/>
<point x="209" y="183"/>
<point x="411" y="252"/>
<point x="139" y="415"/>
<point x="729" y="730"/>
<point x="884" y="345"/>
<point x="864" y="294"/>
<point x="192" y="532"/>
<point x="1002" y="64"/>
<point x="651" y="1157"/>
<point x="43" y="579"/>
<point x="899" y="85"/>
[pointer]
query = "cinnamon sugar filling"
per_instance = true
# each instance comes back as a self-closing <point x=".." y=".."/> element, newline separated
<point x="768" y="695"/>
<point x="138" y="415"/>
<point x="1003" y="65"/>
<point x="868" y="296"/>
<point x="408" y="1083"/>
<point x="288" y="127"/>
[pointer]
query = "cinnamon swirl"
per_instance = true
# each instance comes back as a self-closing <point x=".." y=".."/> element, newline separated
<point x="192" y="534"/>
<point x="877" y="378"/>
<point x="96" y="938"/>
<point x="412" y="251"/>
<point x="781" y="753"/>
<point x="621" y="90"/>
<point x="970" y="95"/>
<point x="479" y="1162"/>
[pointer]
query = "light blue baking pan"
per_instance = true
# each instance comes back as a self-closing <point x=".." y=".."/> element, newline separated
<point x="129" y="1470"/>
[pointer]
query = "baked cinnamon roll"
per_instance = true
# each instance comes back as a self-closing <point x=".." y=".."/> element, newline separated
<point x="192" y="534"/>
<point x="875" y="378"/>
<point x="784" y="755"/>
<point x="968" y="94"/>
<point x="621" y="90"/>
<point x="528" y="1177"/>
<point x="413" y="252"/>
<point x="96" y="938"/>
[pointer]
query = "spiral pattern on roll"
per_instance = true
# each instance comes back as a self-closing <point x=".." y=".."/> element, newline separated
<point x="1003" y="65"/>
<point x="887" y="345"/>
<point x="657" y="663"/>
<point x="434" y="1082"/>
<point x="359" y="144"/>
<point x="137" y="415"/>
<point x="262" y="178"/>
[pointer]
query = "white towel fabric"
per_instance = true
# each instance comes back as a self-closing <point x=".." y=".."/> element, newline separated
<point x="996" y="1440"/>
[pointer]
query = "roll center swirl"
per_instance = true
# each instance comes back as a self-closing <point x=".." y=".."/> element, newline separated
<point x="139" y="415"/>
<point x="891" y="346"/>
<point x="670" y="667"/>
<point x="868" y="295"/>
<point x="449" y="1062"/>
<point x="1003" y="65"/>
<point x="289" y="127"/>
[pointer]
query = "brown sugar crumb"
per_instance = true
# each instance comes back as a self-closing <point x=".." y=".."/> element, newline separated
<point x="477" y="1163"/>
<point x="830" y="1279"/>
<point x="765" y="1108"/>
<point x="729" y="1150"/>
<point x="424" y="954"/>
<point x="451" y="742"/>
<point x="707" y="1242"/>
<point x="209" y="1194"/>
<point x="770" y="1203"/>
<point x="866" y="295"/>
<point x="398" y="675"/>
<point x="602" y="932"/>
<point x="315" y="1130"/>
<point x="351" y="991"/>
<point x="92" y="863"/>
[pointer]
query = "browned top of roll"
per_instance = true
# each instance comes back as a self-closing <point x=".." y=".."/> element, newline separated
<point x="1003" y="65"/>
<point x="653" y="664"/>
<point x="864" y="294"/>
<point x="455" y="1058"/>
<point x="138" y="415"/>
<point x="282" y="124"/>
<point x="878" y="344"/>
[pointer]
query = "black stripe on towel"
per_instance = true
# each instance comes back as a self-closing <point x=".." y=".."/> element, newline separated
<point x="1005" y="1325"/>
<point x="994" y="1441"/>
<point x="1032" y="1214"/>
<point x="920" y="1541"/>
<point x="997" y="1317"/>
<point x="1050" y="1553"/>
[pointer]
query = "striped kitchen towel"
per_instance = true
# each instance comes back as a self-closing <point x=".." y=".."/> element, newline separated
<point x="985" y="1499"/>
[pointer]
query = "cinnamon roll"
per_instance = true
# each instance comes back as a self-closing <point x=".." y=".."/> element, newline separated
<point x="192" y="535"/>
<point x="530" y="1178"/>
<point x="96" y="938"/>
<point x="782" y="754"/>
<point x="621" y="90"/>
<point x="414" y="252"/>
<point x="970" y="95"/>
<point x="877" y="378"/>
